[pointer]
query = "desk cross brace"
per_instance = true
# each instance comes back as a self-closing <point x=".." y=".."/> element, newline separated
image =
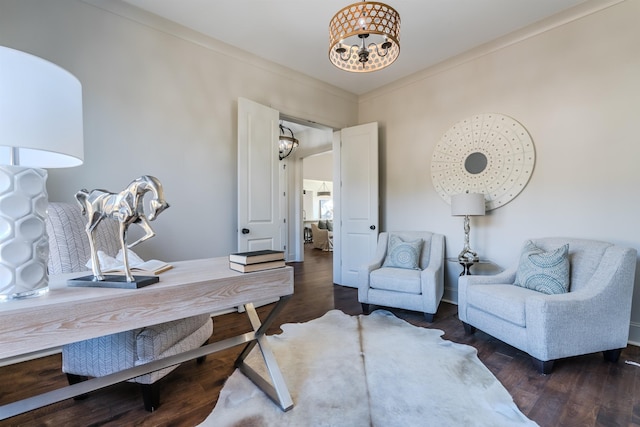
<point x="278" y="392"/>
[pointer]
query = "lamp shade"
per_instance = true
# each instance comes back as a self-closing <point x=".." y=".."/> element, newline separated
<point x="40" y="127"/>
<point x="467" y="204"/>
<point x="40" y="112"/>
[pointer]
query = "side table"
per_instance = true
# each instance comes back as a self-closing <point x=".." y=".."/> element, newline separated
<point x="466" y="265"/>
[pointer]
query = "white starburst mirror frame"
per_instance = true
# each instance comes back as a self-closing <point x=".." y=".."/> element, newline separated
<point x="486" y="153"/>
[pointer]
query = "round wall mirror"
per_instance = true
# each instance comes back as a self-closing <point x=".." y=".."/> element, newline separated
<point x="488" y="153"/>
<point x="475" y="163"/>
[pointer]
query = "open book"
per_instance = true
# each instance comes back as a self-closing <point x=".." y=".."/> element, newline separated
<point x="137" y="265"/>
<point x="151" y="267"/>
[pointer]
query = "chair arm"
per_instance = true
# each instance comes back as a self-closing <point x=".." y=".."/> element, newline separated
<point x="365" y="270"/>
<point x="432" y="277"/>
<point x="363" y="274"/>
<point x="432" y="286"/>
<point x="574" y="323"/>
<point x="430" y="274"/>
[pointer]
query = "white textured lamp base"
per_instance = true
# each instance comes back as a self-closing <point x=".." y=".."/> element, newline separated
<point x="24" y="245"/>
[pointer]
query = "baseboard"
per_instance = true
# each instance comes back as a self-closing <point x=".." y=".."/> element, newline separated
<point x="450" y="295"/>
<point x="634" y="333"/>
<point x="30" y="356"/>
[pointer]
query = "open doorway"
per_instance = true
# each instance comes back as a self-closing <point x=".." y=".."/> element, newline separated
<point x="309" y="168"/>
<point x="270" y="193"/>
<point x="317" y="205"/>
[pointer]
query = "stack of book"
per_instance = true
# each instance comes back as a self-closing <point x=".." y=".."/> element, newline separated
<point x="246" y="262"/>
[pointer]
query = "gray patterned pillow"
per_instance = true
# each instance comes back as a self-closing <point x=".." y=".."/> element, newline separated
<point x="546" y="272"/>
<point x="401" y="254"/>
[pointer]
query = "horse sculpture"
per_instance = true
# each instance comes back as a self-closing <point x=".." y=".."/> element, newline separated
<point x="127" y="208"/>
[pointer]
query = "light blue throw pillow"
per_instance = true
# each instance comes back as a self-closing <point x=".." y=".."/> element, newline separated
<point x="401" y="254"/>
<point x="546" y="272"/>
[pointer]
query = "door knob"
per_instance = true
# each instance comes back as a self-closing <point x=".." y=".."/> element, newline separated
<point x="245" y="231"/>
<point x="373" y="227"/>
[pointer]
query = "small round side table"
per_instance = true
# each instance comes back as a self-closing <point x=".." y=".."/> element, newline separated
<point x="467" y="264"/>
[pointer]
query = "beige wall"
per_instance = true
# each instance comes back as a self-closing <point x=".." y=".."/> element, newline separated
<point x="319" y="167"/>
<point x="161" y="100"/>
<point x="576" y="88"/>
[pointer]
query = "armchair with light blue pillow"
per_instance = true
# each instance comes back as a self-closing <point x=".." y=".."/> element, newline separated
<point x="407" y="272"/>
<point x="566" y="297"/>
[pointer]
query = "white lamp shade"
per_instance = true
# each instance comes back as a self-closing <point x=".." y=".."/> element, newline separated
<point x="40" y="112"/>
<point x="467" y="204"/>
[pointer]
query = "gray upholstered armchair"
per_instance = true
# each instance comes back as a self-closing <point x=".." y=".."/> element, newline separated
<point x="322" y="237"/>
<point x="594" y="315"/>
<point x="68" y="252"/>
<point x="406" y="272"/>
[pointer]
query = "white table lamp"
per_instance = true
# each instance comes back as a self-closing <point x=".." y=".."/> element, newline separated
<point x="467" y="204"/>
<point x="40" y="127"/>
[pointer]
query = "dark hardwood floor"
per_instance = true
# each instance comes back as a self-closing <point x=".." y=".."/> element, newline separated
<point x="582" y="391"/>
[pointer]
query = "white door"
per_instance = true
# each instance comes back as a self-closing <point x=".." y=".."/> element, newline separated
<point x="356" y="200"/>
<point x="259" y="219"/>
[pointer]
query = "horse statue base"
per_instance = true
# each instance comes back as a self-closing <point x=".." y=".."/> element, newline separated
<point x="114" y="281"/>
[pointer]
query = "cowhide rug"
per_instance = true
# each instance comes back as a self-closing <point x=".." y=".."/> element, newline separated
<point x="374" y="370"/>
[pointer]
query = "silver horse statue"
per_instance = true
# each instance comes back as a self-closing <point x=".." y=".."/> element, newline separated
<point x="125" y="207"/>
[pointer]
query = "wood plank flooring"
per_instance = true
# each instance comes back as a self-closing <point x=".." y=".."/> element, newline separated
<point x="582" y="391"/>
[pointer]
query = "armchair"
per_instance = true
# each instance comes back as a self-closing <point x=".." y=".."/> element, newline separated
<point x="418" y="289"/>
<point x="322" y="238"/>
<point x="68" y="252"/>
<point x="594" y="315"/>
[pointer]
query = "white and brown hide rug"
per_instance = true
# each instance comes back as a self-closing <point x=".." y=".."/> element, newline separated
<point x="374" y="370"/>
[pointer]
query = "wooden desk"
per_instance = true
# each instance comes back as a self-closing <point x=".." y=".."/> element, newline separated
<point x="69" y="314"/>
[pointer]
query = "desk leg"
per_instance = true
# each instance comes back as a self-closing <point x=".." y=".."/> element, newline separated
<point x="277" y="392"/>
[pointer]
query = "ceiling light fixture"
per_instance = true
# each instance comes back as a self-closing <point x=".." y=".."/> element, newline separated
<point x="355" y="25"/>
<point x="324" y="191"/>
<point x="286" y="144"/>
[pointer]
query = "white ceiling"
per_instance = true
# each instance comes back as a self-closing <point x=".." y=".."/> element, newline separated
<point x="294" y="33"/>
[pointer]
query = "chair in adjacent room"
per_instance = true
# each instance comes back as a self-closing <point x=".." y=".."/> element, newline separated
<point x="322" y="237"/>
<point x="68" y="252"/>
<point x="407" y="272"/>
<point x="566" y="297"/>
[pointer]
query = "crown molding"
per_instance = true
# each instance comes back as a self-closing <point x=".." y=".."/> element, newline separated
<point x="563" y="18"/>
<point x="158" y="23"/>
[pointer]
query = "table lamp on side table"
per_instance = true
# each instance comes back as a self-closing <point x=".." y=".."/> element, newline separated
<point x="467" y="204"/>
<point x="40" y="127"/>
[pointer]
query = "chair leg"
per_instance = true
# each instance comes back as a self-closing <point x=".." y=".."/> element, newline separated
<point x="429" y="317"/>
<point x="612" y="355"/>
<point x="75" y="379"/>
<point x="468" y="329"/>
<point x="200" y="360"/>
<point x="151" y="396"/>
<point x="542" y="366"/>
<point x="365" y="308"/>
